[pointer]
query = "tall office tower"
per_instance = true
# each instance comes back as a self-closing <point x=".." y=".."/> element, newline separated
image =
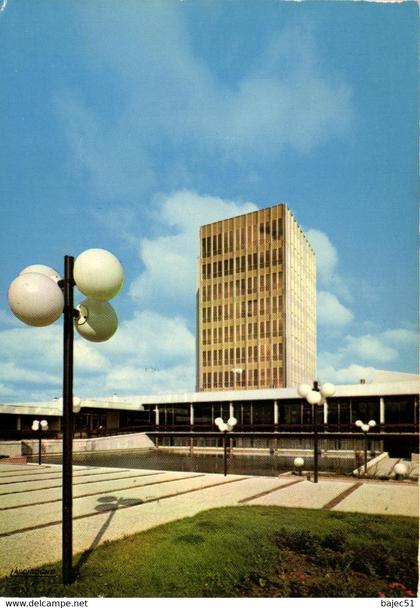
<point x="256" y="308"/>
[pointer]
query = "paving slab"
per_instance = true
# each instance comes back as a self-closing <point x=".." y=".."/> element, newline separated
<point x="56" y="482"/>
<point x="12" y="520"/>
<point x="10" y="478"/>
<point x="81" y="489"/>
<point x="389" y="498"/>
<point x="305" y="494"/>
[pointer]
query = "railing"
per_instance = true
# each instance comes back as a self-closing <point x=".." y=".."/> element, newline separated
<point x="305" y="429"/>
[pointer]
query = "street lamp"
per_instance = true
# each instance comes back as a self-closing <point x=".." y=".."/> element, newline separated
<point x="225" y="428"/>
<point x="365" y="428"/>
<point x="316" y="396"/>
<point x="39" y="426"/>
<point x="38" y="297"/>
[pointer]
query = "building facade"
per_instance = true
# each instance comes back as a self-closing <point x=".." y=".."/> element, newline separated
<point x="393" y="405"/>
<point x="256" y="303"/>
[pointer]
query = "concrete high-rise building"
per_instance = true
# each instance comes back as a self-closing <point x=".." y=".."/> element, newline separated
<point x="256" y="303"/>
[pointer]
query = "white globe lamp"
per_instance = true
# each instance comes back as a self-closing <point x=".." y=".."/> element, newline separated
<point x="298" y="462"/>
<point x="328" y="389"/>
<point x="77" y="403"/>
<point x="371" y="423"/>
<point x="42" y="269"/>
<point x="97" y="321"/>
<point x="35" y="299"/>
<point x="98" y="274"/>
<point x="359" y="423"/>
<point x="35" y="425"/>
<point x="314" y="397"/>
<point x="400" y="469"/>
<point x="304" y="390"/>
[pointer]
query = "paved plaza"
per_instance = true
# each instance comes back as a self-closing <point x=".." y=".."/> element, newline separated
<point x="110" y="503"/>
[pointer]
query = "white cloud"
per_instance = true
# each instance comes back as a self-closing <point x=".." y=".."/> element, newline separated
<point x="331" y="312"/>
<point x="370" y="348"/>
<point x="152" y="340"/>
<point x="149" y="353"/>
<point x="11" y="373"/>
<point x="358" y="356"/>
<point x="171" y="261"/>
<point x="352" y="374"/>
<point x="402" y="336"/>
<point x="326" y="255"/>
<point x="88" y="357"/>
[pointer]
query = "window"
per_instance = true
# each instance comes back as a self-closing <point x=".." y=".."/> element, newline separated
<point x="399" y="410"/>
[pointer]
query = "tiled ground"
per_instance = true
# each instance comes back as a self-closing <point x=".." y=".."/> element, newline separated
<point x="112" y="503"/>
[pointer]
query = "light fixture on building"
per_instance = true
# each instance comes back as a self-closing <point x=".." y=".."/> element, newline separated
<point x="38" y="297"/>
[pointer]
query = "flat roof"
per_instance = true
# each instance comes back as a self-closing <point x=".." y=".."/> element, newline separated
<point x="136" y="402"/>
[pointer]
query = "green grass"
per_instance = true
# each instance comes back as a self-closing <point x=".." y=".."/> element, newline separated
<point x="245" y="551"/>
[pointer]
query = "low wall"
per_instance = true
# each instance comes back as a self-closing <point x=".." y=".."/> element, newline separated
<point x="10" y="448"/>
<point x="135" y="441"/>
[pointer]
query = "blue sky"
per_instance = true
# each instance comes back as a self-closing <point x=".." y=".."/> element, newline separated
<point x="128" y="125"/>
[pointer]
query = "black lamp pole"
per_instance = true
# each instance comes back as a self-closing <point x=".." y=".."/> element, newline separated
<point x="315" y="425"/>
<point x="225" y="452"/>
<point x="39" y="443"/>
<point x="366" y="450"/>
<point x="67" y="531"/>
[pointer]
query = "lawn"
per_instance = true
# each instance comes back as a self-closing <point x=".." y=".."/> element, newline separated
<point x="248" y="551"/>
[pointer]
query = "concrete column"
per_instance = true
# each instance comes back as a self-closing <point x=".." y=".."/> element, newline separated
<point x="326" y="412"/>
<point x="191" y="414"/>
<point x="18" y="423"/>
<point x="276" y="412"/>
<point x="231" y="410"/>
<point x="381" y="410"/>
<point x="156" y="415"/>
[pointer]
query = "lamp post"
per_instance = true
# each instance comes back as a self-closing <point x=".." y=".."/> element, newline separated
<point x="38" y="297"/>
<point x="365" y="428"/>
<point x="316" y="396"/>
<point x="225" y="428"/>
<point x="39" y="426"/>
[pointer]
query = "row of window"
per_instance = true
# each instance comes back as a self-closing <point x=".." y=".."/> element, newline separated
<point x="236" y="310"/>
<point x="242" y="263"/>
<point x="262" y="378"/>
<point x="263" y="329"/>
<point x="241" y="287"/>
<point x="342" y="412"/>
<point x="239" y="238"/>
<point x="242" y="354"/>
